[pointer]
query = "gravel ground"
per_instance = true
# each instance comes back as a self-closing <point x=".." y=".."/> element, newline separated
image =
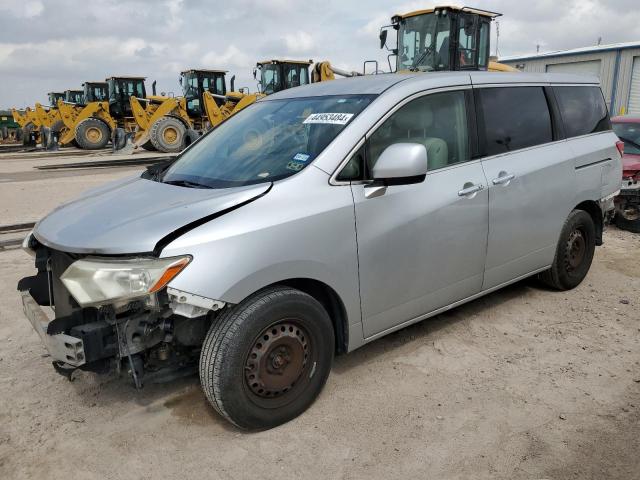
<point x="525" y="383"/>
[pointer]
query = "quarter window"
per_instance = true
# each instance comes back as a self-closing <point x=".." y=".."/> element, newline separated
<point x="437" y="121"/>
<point x="514" y="118"/>
<point x="583" y="110"/>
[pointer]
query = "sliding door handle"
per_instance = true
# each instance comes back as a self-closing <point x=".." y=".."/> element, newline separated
<point x="503" y="178"/>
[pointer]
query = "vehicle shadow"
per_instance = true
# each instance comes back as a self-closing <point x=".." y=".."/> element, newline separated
<point x="424" y="328"/>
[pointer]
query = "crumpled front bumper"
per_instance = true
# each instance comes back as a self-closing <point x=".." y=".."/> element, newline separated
<point x="63" y="348"/>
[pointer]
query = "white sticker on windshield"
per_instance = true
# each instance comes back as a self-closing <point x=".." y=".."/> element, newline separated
<point x="332" y="118"/>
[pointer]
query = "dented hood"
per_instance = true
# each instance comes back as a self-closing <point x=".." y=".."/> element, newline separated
<point x="134" y="215"/>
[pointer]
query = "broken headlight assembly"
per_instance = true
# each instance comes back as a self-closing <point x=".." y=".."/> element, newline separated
<point x="96" y="281"/>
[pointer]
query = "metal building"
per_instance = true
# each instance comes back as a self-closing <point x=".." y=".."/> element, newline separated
<point x="617" y="66"/>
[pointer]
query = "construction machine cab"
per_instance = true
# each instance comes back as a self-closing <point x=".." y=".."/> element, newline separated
<point x="53" y="98"/>
<point x="195" y="82"/>
<point x="74" y="96"/>
<point x="95" y="91"/>
<point x="277" y="75"/>
<point x="120" y="90"/>
<point x="441" y="38"/>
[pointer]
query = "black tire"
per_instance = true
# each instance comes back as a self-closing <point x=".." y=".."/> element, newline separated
<point x="148" y="146"/>
<point x="631" y="224"/>
<point x="574" y="252"/>
<point x="27" y="139"/>
<point x="237" y="370"/>
<point x="168" y="135"/>
<point x="92" y="134"/>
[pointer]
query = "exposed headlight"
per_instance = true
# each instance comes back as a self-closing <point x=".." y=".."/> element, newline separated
<point x="95" y="281"/>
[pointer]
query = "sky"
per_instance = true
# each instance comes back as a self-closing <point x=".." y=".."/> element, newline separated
<point x="48" y="45"/>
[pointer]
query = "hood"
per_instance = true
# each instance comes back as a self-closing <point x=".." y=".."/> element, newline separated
<point x="631" y="163"/>
<point x="133" y="215"/>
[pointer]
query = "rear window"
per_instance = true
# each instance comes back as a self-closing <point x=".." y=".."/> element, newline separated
<point x="514" y="118"/>
<point x="583" y="110"/>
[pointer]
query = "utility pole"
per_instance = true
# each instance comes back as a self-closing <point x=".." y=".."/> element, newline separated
<point x="497" y="39"/>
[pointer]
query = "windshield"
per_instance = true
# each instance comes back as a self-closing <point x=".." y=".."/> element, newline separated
<point x="74" y="96"/>
<point x="265" y="142"/>
<point x="269" y="78"/>
<point x="424" y="43"/>
<point x="95" y="92"/>
<point x="296" y="75"/>
<point x="629" y="133"/>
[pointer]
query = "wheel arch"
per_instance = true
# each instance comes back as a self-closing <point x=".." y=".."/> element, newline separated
<point x="594" y="210"/>
<point x="331" y="302"/>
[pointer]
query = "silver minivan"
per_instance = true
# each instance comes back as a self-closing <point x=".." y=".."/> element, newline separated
<point x="319" y="219"/>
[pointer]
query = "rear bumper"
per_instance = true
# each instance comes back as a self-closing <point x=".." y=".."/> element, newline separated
<point x="63" y="348"/>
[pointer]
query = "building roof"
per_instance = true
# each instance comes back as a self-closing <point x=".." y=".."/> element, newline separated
<point x="573" y="51"/>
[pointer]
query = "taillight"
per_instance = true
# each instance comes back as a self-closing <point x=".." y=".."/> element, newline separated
<point x="620" y="146"/>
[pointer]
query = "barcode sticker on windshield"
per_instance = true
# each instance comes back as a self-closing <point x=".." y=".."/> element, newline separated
<point x="332" y="118"/>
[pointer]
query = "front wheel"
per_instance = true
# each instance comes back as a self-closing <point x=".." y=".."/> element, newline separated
<point x="574" y="252"/>
<point x="265" y="361"/>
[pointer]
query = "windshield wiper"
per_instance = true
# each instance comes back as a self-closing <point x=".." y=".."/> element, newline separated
<point x="418" y="60"/>
<point x="187" y="183"/>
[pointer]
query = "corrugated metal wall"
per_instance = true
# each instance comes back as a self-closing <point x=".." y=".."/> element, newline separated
<point x="608" y="62"/>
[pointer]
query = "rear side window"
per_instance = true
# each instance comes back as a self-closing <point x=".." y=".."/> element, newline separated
<point x="583" y="110"/>
<point x="514" y="118"/>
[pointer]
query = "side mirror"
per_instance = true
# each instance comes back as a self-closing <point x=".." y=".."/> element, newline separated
<point x="255" y="74"/>
<point x="401" y="164"/>
<point x="383" y="38"/>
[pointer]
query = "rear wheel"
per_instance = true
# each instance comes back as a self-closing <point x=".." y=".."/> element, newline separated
<point x="92" y="134"/>
<point x="628" y="219"/>
<point x="574" y="252"/>
<point x="168" y="135"/>
<point x="266" y="360"/>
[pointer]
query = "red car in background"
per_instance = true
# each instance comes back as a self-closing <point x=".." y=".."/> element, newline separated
<point x="627" y="203"/>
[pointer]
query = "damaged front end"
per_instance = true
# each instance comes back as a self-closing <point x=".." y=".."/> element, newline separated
<point x="115" y="313"/>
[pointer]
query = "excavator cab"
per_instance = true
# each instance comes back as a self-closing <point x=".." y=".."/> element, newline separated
<point x="74" y="96"/>
<point x="441" y="38"/>
<point x="53" y="98"/>
<point x="276" y="75"/>
<point x="195" y="82"/>
<point x="120" y="90"/>
<point x="95" y="91"/>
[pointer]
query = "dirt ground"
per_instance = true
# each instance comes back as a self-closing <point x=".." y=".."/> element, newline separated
<point x="525" y="383"/>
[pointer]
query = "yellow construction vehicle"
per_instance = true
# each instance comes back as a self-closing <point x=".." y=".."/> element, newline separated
<point x="442" y="38"/>
<point x="168" y="124"/>
<point x="92" y="123"/>
<point x="31" y="120"/>
<point x="277" y="75"/>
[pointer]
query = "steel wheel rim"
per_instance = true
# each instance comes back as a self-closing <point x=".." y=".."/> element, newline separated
<point x="277" y="361"/>
<point x="576" y="250"/>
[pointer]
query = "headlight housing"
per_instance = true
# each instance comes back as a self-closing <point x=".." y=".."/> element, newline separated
<point x="95" y="281"/>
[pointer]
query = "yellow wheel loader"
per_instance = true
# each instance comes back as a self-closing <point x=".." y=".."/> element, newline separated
<point x="442" y="38"/>
<point x="277" y="75"/>
<point x="171" y="123"/>
<point x="92" y="124"/>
